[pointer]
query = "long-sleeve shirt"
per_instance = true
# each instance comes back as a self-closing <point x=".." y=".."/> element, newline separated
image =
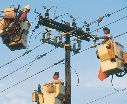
<point x="23" y="16"/>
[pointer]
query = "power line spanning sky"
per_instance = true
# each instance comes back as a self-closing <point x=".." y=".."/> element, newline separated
<point x="85" y="63"/>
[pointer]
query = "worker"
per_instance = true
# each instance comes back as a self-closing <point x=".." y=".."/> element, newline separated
<point x="25" y="10"/>
<point x="56" y="78"/>
<point x="107" y="36"/>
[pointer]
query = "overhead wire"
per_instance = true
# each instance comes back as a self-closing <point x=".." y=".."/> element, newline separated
<point x="76" y="74"/>
<point x="101" y="43"/>
<point x="39" y="57"/>
<point x="109" y="23"/>
<point x="107" y="15"/>
<point x="27" y="52"/>
<point x="39" y="45"/>
<point x="30" y="63"/>
<point x="31" y="76"/>
<point x="112" y="83"/>
<point x="62" y="59"/>
<point x="42" y="43"/>
<point x="45" y="69"/>
<point x="107" y="95"/>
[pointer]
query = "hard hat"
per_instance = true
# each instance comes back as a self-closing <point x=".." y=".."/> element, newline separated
<point x="56" y="73"/>
<point x="27" y="7"/>
<point x="106" y="28"/>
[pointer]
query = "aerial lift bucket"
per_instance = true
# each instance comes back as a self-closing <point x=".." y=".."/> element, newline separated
<point x="125" y="57"/>
<point x="2" y="25"/>
<point x="18" y="44"/>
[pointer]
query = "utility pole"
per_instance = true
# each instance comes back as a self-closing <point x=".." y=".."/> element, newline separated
<point x="69" y="31"/>
<point x="67" y="71"/>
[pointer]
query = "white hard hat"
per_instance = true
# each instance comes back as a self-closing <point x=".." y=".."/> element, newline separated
<point x="27" y="7"/>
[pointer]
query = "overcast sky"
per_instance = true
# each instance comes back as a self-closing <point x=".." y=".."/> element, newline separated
<point x="85" y="63"/>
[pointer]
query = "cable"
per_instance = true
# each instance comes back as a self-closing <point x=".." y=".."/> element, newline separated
<point x="31" y="76"/>
<point x="76" y="74"/>
<point x="30" y="63"/>
<point x="49" y="68"/>
<point x="112" y="84"/>
<point x="110" y="23"/>
<point x="107" y="15"/>
<point x="106" y="96"/>
<point x="27" y="52"/>
<point x="120" y="35"/>
<point x="39" y="57"/>
<point x="105" y="26"/>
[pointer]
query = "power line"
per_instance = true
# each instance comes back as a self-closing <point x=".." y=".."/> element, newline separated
<point x="76" y="74"/>
<point x="106" y="26"/>
<point x="30" y="76"/>
<point x="107" y="15"/>
<point x="46" y="69"/>
<point x="30" y="63"/>
<point x="27" y="52"/>
<point x="110" y="23"/>
<point x="106" y="96"/>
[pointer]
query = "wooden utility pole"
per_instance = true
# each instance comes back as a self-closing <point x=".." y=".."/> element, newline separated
<point x="68" y="30"/>
<point x="67" y="71"/>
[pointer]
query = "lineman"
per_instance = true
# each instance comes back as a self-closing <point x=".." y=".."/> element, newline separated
<point x="25" y="10"/>
<point x="107" y="36"/>
<point x="56" y="78"/>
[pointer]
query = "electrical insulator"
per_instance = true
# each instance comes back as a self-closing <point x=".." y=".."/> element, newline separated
<point x="55" y="39"/>
<point x="48" y="35"/>
<point x="73" y="24"/>
<point x="87" y="29"/>
<point x="79" y="44"/>
<point x="40" y="17"/>
<point x="46" y="15"/>
<point x="60" y="39"/>
<point x="43" y="37"/>
<point x="74" y="46"/>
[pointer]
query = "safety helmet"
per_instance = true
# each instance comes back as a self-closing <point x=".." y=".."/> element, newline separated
<point x="106" y="28"/>
<point x="56" y="73"/>
<point x="27" y="7"/>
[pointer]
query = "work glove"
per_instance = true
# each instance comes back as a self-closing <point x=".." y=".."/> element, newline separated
<point x="97" y="38"/>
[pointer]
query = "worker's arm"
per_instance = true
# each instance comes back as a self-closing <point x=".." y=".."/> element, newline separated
<point x="103" y="37"/>
<point x="108" y="36"/>
<point x="23" y="16"/>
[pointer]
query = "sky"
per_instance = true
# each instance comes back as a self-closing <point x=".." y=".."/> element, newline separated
<point x="85" y="63"/>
